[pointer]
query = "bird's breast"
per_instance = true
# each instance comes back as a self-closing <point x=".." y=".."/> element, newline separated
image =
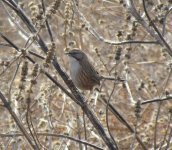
<point x="82" y="77"/>
<point x="74" y="67"/>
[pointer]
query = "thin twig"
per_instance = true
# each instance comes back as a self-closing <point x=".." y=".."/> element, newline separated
<point x="56" y="135"/>
<point x="107" y="120"/>
<point x="17" y="121"/>
<point x="101" y="38"/>
<point x="163" y="41"/>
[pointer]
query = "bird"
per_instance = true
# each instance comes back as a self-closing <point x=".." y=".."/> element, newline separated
<point x="82" y="72"/>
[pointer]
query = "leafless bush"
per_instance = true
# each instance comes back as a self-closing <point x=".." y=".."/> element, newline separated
<point x="42" y="109"/>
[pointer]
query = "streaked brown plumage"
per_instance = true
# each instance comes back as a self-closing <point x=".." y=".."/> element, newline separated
<point x="82" y="72"/>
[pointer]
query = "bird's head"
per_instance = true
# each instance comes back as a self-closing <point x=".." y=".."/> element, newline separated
<point x="76" y="54"/>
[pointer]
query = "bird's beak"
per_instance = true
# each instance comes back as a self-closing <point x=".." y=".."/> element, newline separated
<point x="67" y="53"/>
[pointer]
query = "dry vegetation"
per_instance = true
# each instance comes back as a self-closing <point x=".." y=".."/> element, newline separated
<point x="42" y="109"/>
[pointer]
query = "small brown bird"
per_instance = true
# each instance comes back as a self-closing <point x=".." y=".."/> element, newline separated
<point x="82" y="72"/>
